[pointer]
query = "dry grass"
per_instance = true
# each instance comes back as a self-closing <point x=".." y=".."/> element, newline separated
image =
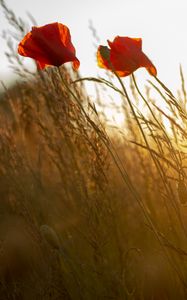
<point x="86" y="212"/>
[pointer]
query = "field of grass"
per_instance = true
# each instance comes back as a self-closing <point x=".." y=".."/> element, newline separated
<point x="89" y="211"/>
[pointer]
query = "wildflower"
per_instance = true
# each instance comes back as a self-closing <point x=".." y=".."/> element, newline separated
<point x="49" y="45"/>
<point x="124" y="56"/>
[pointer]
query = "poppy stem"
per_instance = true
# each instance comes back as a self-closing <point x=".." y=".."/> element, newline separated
<point x="174" y="156"/>
<point x="164" y="87"/>
<point x="146" y="214"/>
<point x="132" y="109"/>
<point x="122" y="169"/>
<point x="156" y="120"/>
<point x="107" y="142"/>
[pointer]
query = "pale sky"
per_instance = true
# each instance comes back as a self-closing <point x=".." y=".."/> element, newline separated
<point x="162" y="24"/>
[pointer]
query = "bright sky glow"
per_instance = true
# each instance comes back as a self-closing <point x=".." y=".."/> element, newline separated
<point x="161" y="24"/>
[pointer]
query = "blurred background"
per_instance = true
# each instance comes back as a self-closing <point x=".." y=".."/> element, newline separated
<point x="93" y="189"/>
<point x="161" y="24"/>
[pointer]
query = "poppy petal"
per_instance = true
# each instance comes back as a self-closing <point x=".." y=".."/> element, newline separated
<point x="105" y="61"/>
<point x="49" y="45"/>
<point x="41" y="65"/>
<point x="121" y="57"/>
<point x="130" y="43"/>
<point x="28" y="47"/>
<point x="146" y="63"/>
<point x="126" y="56"/>
<point x="76" y="64"/>
<point x="57" y="44"/>
<point x="66" y="37"/>
<point x="103" y="57"/>
<point x="123" y="73"/>
<point x="152" y="70"/>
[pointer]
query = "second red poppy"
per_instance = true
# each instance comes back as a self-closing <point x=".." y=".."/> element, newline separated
<point x="124" y="56"/>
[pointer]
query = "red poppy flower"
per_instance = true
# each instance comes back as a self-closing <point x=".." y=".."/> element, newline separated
<point x="49" y="45"/>
<point x="125" y="56"/>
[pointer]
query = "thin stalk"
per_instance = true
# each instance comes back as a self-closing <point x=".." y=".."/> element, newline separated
<point x="122" y="170"/>
<point x="158" y="168"/>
